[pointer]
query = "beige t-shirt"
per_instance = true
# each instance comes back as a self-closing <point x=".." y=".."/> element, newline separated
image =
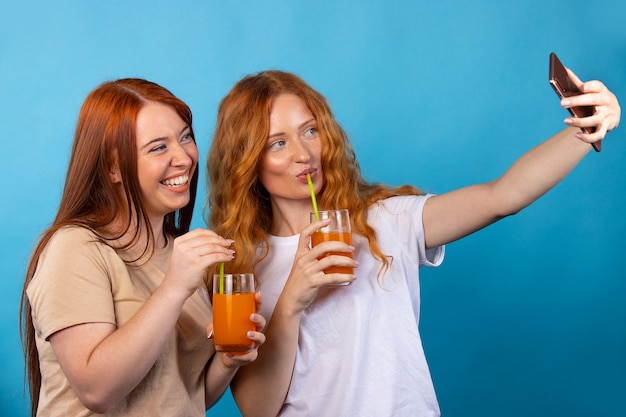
<point x="80" y="280"/>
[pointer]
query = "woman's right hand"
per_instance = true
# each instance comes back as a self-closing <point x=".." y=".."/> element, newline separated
<point x="193" y="253"/>
<point x="307" y="273"/>
<point x="126" y="354"/>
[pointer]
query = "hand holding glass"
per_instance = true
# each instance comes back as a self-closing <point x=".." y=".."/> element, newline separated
<point x="233" y="303"/>
<point x="338" y="229"/>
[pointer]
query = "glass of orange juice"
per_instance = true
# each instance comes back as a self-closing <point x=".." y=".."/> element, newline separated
<point x="337" y="229"/>
<point x="233" y="303"/>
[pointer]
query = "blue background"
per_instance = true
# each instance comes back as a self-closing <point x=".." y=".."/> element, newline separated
<point x="527" y="317"/>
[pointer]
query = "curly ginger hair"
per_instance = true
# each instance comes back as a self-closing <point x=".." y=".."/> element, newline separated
<point x="240" y="206"/>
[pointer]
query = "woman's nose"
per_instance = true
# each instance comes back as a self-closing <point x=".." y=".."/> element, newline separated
<point x="180" y="156"/>
<point x="301" y="152"/>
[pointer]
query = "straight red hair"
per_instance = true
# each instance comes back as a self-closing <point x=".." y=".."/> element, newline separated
<point x="104" y="140"/>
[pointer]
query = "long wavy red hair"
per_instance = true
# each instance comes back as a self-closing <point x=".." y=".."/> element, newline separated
<point x="104" y="139"/>
<point x="239" y="206"/>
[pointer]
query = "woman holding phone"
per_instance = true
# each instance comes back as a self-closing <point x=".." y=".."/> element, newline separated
<point x="350" y="350"/>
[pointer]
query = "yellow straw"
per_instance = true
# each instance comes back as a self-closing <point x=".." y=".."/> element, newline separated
<point x="313" y="200"/>
<point x="221" y="277"/>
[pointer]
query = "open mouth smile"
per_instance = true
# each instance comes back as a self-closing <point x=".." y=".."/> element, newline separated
<point x="177" y="181"/>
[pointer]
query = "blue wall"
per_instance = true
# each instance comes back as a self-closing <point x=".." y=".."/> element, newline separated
<point x="527" y="317"/>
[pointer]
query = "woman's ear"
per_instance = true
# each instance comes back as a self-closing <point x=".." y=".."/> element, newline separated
<point x="115" y="176"/>
<point x="114" y="173"/>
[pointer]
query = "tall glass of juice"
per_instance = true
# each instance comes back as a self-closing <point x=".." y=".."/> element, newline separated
<point x="338" y="229"/>
<point x="233" y="303"/>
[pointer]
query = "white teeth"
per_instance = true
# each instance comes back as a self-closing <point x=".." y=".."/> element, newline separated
<point x="175" y="182"/>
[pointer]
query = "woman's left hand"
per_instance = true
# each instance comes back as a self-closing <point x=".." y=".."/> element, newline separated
<point x="258" y="337"/>
<point x="607" y="112"/>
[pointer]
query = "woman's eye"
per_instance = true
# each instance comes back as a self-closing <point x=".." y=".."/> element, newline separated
<point x="277" y="144"/>
<point x="158" y="148"/>
<point x="187" y="138"/>
<point x="312" y="131"/>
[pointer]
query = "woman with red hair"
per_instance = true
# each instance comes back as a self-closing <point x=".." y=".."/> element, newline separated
<point x="350" y="350"/>
<point x="115" y="308"/>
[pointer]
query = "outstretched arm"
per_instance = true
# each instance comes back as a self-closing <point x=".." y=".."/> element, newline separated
<point x="456" y="214"/>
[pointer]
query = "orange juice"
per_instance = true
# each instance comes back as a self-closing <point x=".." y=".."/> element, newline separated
<point x="231" y="322"/>
<point x="319" y="237"/>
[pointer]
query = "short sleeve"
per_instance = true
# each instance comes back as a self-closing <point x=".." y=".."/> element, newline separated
<point x="71" y="284"/>
<point x="400" y="219"/>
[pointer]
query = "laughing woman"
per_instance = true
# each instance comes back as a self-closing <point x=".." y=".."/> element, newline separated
<point x="112" y="315"/>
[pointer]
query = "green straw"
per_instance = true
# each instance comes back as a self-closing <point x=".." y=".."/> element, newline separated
<point x="221" y="277"/>
<point x="313" y="200"/>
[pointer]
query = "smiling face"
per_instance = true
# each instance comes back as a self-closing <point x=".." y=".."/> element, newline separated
<point x="167" y="157"/>
<point x="293" y="149"/>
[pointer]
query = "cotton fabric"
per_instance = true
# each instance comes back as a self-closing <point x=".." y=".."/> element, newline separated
<point x="359" y="349"/>
<point x="82" y="280"/>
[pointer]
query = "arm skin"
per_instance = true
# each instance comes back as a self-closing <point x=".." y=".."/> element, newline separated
<point x="261" y="387"/>
<point x="456" y="214"/>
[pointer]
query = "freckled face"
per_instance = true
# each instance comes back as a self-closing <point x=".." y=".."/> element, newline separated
<point x="167" y="157"/>
<point x="293" y="149"/>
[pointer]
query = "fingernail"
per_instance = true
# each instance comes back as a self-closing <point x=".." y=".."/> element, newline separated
<point x="565" y="102"/>
<point x="250" y="334"/>
<point x="210" y="335"/>
<point x="568" y="121"/>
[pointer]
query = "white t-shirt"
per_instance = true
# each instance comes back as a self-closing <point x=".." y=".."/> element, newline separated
<point x="359" y="351"/>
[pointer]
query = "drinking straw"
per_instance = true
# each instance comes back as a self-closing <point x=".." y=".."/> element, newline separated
<point x="313" y="200"/>
<point x="221" y="278"/>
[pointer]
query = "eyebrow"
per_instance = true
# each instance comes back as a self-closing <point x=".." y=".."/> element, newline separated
<point x="312" y="119"/>
<point x="159" y="139"/>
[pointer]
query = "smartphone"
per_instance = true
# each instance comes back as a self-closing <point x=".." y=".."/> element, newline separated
<point x="565" y="87"/>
